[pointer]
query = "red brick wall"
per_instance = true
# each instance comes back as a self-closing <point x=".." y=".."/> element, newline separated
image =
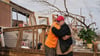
<point x="5" y="15"/>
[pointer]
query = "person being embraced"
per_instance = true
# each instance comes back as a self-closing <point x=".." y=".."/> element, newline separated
<point x="64" y="47"/>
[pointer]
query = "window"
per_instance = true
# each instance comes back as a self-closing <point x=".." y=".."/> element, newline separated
<point x="19" y="19"/>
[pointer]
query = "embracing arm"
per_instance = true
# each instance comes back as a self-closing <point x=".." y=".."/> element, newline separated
<point x="68" y="32"/>
<point x="56" y="32"/>
<point x="66" y="37"/>
<point x="63" y="32"/>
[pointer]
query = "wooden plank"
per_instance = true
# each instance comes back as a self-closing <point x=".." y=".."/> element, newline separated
<point x="25" y="54"/>
<point x="25" y="28"/>
<point x="34" y="18"/>
<point x="82" y="54"/>
<point x="43" y="31"/>
<point x="18" y="39"/>
<point x="36" y="39"/>
<point x="20" y="8"/>
<point x="20" y="36"/>
<point x="33" y="40"/>
<point x="28" y="51"/>
<point x="45" y="18"/>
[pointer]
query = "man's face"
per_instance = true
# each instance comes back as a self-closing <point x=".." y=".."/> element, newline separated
<point x="61" y="22"/>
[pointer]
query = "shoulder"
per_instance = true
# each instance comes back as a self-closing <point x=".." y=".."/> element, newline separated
<point x="57" y="26"/>
<point x="65" y="25"/>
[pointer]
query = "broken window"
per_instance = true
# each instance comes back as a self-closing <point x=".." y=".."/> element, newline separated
<point x="18" y="19"/>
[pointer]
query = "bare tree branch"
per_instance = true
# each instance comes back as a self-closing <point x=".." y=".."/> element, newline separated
<point x="66" y="13"/>
<point x="66" y="6"/>
<point x="50" y="5"/>
<point x="77" y="20"/>
<point x="79" y="25"/>
<point x="91" y="24"/>
<point x="77" y="15"/>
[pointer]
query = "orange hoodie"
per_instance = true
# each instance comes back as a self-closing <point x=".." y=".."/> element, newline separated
<point x="51" y="40"/>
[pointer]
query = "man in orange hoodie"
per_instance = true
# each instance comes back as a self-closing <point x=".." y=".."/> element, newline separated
<point x="51" y="41"/>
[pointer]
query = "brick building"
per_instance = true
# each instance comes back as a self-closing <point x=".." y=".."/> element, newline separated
<point x="6" y="9"/>
<point x="5" y="14"/>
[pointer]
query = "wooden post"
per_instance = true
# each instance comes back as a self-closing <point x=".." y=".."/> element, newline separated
<point x="95" y="49"/>
<point x="33" y="40"/>
<point x="36" y="38"/>
<point x="43" y="41"/>
<point x="30" y="22"/>
<point x="27" y="20"/>
<point x="20" y="35"/>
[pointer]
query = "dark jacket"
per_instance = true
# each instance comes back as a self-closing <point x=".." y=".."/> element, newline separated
<point x="65" y="30"/>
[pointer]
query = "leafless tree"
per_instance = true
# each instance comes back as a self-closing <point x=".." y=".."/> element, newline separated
<point x="66" y="13"/>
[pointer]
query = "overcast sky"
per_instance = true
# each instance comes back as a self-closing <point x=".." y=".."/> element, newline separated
<point x="88" y="6"/>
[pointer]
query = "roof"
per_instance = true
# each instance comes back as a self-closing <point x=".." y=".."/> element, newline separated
<point x="20" y="9"/>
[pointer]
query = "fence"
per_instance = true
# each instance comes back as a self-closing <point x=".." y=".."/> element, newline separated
<point x="25" y="41"/>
